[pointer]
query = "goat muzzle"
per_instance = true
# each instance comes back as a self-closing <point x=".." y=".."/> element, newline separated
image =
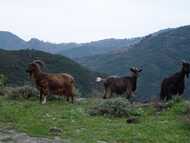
<point x="29" y="74"/>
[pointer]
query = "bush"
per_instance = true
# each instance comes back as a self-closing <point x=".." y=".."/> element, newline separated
<point x="2" y="80"/>
<point x="20" y="92"/>
<point x="186" y="114"/>
<point x="163" y="106"/>
<point x="187" y="110"/>
<point x="116" y="107"/>
<point x="175" y="99"/>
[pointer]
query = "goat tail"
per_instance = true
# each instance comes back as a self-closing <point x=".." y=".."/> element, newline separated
<point x="74" y="87"/>
<point x="99" y="79"/>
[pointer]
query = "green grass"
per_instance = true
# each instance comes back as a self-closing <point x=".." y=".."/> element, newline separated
<point x="79" y="127"/>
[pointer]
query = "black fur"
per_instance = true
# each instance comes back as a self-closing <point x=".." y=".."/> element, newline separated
<point x="175" y="84"/>
<point x="120" y="85"/>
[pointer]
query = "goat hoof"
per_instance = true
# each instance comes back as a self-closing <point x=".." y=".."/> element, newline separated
<point x="43" y="103"/>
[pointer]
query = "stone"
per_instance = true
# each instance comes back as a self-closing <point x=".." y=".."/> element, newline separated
<point x="55" y="130"/>
<point x="132" y="120"/>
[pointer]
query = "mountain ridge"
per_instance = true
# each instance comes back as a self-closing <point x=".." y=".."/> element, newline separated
<point x="10" y="41"/>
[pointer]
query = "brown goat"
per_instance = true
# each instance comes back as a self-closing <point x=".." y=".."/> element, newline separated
<point x="59" y="84"/>
<point x="120" y="85"/>
<point x="175" y="84"/>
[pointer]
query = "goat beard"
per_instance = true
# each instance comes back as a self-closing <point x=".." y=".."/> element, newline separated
<point x="31" y="76"/>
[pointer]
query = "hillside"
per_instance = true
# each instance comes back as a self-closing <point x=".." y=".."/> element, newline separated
<point x="14" y="63"/>
<point x="159" y="55"/>
<point x="9" y="41"/>
<point x="73" y="124"/>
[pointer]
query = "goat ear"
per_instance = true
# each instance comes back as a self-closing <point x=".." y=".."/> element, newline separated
<point x="140" y="70"/>
<point x="184" y="61"/>
<point x="131" y="69"/>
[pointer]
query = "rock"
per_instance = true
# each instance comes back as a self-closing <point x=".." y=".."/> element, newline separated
<point x="132" y="120"/>
<point x="55" y="130"/>
<point x="12" y="136"/>
<point x="101" y="142"/>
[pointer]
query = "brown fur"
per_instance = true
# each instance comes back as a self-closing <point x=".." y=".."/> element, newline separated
<point x="59" y="84"/>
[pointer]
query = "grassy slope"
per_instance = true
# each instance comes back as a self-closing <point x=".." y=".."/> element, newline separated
<point x="79" y="127"/>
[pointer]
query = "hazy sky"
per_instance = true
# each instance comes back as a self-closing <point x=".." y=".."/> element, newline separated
<point x="89" y="20"/>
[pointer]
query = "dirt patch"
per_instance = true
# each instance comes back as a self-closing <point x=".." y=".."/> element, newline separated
<point x="12" y="136"/>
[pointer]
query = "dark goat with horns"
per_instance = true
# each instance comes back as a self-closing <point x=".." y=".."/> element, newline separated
<point x="59" y="84"/>
<point x="120" y="85"/>
<point x="175" y="84"/>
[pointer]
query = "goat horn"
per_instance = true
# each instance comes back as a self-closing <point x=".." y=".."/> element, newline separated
<point x="39" y="62"/>
<point x="184" y="61"/>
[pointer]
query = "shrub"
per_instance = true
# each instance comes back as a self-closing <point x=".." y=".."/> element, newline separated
<point x="187" y="110"/>
<point x="186" y="114"/>
<point x="20" y="92"/>
<point x="175" y="99"/>
<point x="116" y="107"/>
<point x="2" y="80"/>
<point x="163" y="106"/>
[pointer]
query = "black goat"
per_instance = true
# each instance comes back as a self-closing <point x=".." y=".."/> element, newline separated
<point x="120" y="85"/>
<point x="175" y="84"/>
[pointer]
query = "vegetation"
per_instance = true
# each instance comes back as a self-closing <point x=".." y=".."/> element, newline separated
<point x="2" y="80"/>
<point x="158" y="54"/>
<point x="13" y="65"/>
<point x="115" y="107"/>
<point x="22" y="92"/>
<point x="76" y="125"/>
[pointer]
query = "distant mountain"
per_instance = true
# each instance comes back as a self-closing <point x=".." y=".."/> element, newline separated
<point x="100" y="47"/>
<point x="9" y="41"/>
<point x="50" y="47"/>
<point x="158" y="54"/>
<point x="14" y="63"/>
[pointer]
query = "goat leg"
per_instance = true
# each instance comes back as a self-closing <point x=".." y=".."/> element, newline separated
<point x="105" y="92"/>
<point x="67" y="98"/>
<point x="129" y="93"/>
<point x="41" y="94"/>
<point x="169" y="97"/>
<point x="45" y="99"/>
<point x="109" y="93"/>
<point x="46" y="92"/>
<point x="72" y="99"/>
